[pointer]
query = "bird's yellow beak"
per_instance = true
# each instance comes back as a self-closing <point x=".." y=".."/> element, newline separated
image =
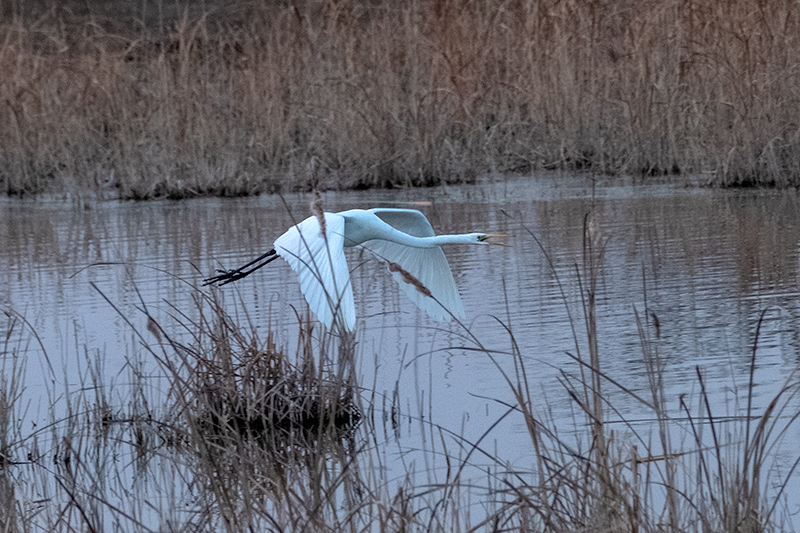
<point x="496" y="236"/>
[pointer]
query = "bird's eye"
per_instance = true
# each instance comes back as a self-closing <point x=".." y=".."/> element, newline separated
<point x="482" y="238"/>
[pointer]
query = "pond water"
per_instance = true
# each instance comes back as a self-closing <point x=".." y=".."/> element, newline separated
<point x="697" y="266"/>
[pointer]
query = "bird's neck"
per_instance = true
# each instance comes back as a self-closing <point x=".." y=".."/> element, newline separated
<point x="427" y="242"/>
<point x="438" y="240"/>
<point x="378" y="229"/>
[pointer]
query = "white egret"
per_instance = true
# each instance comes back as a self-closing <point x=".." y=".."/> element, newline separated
<point x="404" y="238"/>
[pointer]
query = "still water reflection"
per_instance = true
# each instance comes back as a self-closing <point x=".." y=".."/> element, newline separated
<point x="704" y="263"/>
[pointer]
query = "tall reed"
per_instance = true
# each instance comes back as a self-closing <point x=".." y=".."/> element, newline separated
<point x="259" y="96"/>
<point x="624" y="479"/>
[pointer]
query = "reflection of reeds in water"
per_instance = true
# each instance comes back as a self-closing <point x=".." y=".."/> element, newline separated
<point x="358" y="94"/>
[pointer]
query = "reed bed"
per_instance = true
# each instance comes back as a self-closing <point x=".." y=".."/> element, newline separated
<point x="240" y="98"/>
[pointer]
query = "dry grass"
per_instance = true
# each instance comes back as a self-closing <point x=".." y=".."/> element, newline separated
<point x="251" y="97"/>
<point x="271" y="442"/>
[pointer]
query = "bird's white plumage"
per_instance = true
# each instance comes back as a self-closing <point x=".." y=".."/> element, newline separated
<point x="321" y="268"/>
<point x="430" y="267"/>
<point x="408" y="221"/>
<point x="400" y="236"/>
<point x="428" y="264"/>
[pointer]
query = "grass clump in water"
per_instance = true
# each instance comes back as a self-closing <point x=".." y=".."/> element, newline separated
<point x="272" y="441"/>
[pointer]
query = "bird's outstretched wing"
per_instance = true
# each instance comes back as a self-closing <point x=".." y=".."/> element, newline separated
<point x="408" y="221"/>
<point x="430" y="267"/>
<point x="321" y="269"/>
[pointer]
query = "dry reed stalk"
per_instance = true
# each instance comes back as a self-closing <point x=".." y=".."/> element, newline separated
<point x="410" y="279"/>
<point x="354" y="94"/>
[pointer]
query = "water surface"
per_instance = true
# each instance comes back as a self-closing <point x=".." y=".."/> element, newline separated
<point x="698" y="267"/>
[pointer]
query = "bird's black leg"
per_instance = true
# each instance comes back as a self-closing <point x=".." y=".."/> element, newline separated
<point x="227" y="276"/>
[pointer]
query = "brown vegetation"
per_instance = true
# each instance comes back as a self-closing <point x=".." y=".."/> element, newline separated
<point x="243" y="98"/>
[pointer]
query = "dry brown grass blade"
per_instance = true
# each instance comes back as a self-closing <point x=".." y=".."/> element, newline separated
<point x="410" y="279"/>
<point x="317" y="211"/>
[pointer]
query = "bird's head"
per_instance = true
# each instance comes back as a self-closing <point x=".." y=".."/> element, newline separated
<point x="486" y="238"/>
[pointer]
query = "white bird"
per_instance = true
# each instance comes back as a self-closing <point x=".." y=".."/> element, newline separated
<point x="403" y="238"/>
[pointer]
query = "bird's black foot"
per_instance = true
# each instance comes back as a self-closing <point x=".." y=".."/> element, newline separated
<point x="227" y="276"/>
<point x="222" y="277"/>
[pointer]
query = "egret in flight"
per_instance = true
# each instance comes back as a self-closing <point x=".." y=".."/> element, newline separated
<point x="403" y="238"/>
